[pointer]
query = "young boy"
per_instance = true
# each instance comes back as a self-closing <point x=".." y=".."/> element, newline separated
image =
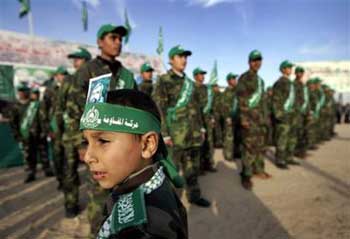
<point x="126" y="154"/>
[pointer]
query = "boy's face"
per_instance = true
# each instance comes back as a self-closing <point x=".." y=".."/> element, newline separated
<point x="255" y="65"/>
<point x="287" y="71"/>
<point x="147" y="75"/>
<point x="112" y="156"/>
<point x="199" y="78"/>
<point x="110" y="44"/>
<point x="77" y="63"/>
<point x="179" y="62"/>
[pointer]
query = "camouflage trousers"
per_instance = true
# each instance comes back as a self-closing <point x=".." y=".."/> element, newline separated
<point x="286" y="141"/>
<point x="58" y="159"/>
<point x="71" y="180"/>
<point x="252" y="142"/>
<point x="97" y="197"/>
<point x="301" y="135"/>
<point x="34" y="148"/>
<point x="312" y="131"/>
<point x="218" y="132"/>
<point x="229" y="136"/>
<point x="188" y="160"/>
<point x="207" y="148"/>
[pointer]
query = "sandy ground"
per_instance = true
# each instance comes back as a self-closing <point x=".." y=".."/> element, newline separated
<point x="311" y="201"/>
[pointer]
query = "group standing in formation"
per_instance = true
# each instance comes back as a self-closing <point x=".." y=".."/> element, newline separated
<point x="180" y="122"/>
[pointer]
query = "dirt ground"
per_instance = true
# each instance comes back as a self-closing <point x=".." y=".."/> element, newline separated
<point x="311" y="201"/>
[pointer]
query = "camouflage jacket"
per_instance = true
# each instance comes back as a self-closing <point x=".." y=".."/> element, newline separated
<point x="185" y="131"/>
<point x="77" y="92"/>
<point x="313" y="100"/>
<point x="247" y="85"/>
<point x="281" y="90"/>
<point x="16" y="114"/>
<point x="146" y="87"/>
<point x="228" y="98"/>
<point x="162" y="214"/>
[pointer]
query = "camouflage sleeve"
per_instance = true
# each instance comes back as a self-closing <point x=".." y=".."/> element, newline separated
<point x="279" y="97"/>
<point x="200" y="117"/>
<point x="15" y="121"/>
<point x="160" y="96"/>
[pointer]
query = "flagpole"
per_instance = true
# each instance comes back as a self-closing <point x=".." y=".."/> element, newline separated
<point x="30" y="23"/>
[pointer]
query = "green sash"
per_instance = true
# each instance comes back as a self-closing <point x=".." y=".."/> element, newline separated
<point x="184" y="99"/>
<point x="288" y="105"/>
<point x="256" y="97"/>
<point x="29" y="116"/>
<point x="209" y="104"/>
<point x="234" y="106"/>
<point x="306" y="99"/>
<point x="320" y="104"/>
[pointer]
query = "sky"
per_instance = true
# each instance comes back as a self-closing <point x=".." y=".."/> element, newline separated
<point x="222" y="30"/>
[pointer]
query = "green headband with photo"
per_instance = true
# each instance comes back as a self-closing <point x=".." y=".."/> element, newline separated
<point x="102" y="116"/>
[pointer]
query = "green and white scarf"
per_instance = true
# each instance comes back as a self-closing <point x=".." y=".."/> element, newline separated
<point x="183" y="100"/>
<point x="320" y="104"/>
<point x="306" y="99"/>
<point x="29" y="116"/>
<point x="256" y="97"/>
<point x="289" y="103"/>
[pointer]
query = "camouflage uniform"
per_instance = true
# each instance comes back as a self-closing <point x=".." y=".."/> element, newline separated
<point x="252" y="135"/>
<point x="218" y="131"/>
<point x="185" y="131"/>
<point x="207" y="148"/>
<point x="285" y="132"/>
<point x="313" y="119"/>
<point x="146" y="87"/>
<point x="230" y="120"/>
<point x="75" y="108"/>
<point x="163" y="215"/>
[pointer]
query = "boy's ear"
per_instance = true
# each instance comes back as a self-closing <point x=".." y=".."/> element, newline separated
<point x="149" y="143"/>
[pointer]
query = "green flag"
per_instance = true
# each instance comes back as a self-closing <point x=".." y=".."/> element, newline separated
<point x="25" y="7"/>
<point x="128" y="27"/>
<point x="84" y="16"/>
<point x="214" y="74"/>
<point x="160" y="47"/>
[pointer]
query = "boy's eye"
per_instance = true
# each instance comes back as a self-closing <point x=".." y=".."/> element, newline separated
<point x="103" y="141"/>
<point x="84" y="143"/>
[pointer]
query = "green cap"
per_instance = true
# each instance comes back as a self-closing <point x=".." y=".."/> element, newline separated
<point x="61" y="70"/>
<point x="82" y="53"/>
<point x="286" y="64"/>
<point x="317" y="80"/>
<point x="23" y="86"/>
<point x="231" y="76"/>
<point x="255" y="55"/>
<point x="178" y="50"/>
<point x="299" y="69"/>
<point x="146" y="67"/>
<point x="198" y="70"/>
<point x="107" y="28"/>
<point x="35" y="90"/>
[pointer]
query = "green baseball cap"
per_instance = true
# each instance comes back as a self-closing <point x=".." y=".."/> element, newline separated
<point x="107" y="28"/>
<point x="231" y="76"/>
<point x="23" y="86"/>
<point x="82" y="53"/>
<point x="317" y="80"/>
<point x="146" y="67"/>
<point x="299" y="69"/>
<point x="255" y="55"/>
<point x="198" y="70"/>
<point x="35" y="90"/>
<point x="178" y="50"/>
<point x="61" y="70"/>
<point x="286" y="64"/>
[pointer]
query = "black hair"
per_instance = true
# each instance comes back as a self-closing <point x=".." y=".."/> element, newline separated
<point x="138" y="100"/>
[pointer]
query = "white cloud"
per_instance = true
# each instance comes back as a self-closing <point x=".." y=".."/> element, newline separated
<point x="314" y="49"/>
<point x="210" y="3"/>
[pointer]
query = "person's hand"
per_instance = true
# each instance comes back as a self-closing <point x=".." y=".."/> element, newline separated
<point x="228" y="121"/>
<point x="168" y="142"/>
<point x="245" y="124"/>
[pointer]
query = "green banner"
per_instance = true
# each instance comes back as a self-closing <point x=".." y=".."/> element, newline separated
<point x="10" y="153"/>
<point x="7" y="91"/>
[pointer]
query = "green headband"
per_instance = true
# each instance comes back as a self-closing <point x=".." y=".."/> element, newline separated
<point x="110" y="117"/>
<point x="118" y="118"/>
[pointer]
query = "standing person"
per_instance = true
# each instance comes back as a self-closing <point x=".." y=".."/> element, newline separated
<point x="218" y="129"/>
<point x="205" y="93"/>
<point x="183" y="130"/>
<point x="250" y="89"/>
<point x="230" y="107"/>
<point x="146" y="85"/>
<point x="313" y="117"/>
<point x="69" y="167"/>
<point x="301" y="105"/>
<point x="109" y="41"/>
<point x="284" y="114"/>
